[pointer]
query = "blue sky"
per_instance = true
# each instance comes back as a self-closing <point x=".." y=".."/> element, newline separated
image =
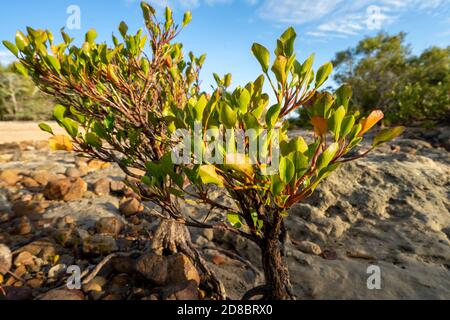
<point x="226" y="29"/>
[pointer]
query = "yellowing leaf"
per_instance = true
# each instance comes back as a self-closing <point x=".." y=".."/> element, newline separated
<point x="60" y="142"/>
<point x="387" y="135"/>
<point x="320" y="125"/>
<point x="208" y="175"/>
<point x="370" y="121"/>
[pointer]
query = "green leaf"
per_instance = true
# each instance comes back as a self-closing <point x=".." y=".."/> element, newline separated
<point x="91" y="35"/>
<point x="59" y="112"/>
<point x="262" y="55"/>
<point x="279" y="69"/>
<point x="287" y="170"/>
<point x="227" y="80"/>
<point x="387" y="135"/>
<point x="11" y="47"/>
<point x="187" y="18"/>
<point x="93" y="140"/>
<point x="71" y="126"/>
<point x="288" y="40"/>
<point x="21" y="41"/>
<point x="228" y="116"/>
<point x="272" y="115"/>
<point x="277" y="185"/>
<point x="54" y="62"/>
<point x="323" y="73"/>
<point x="18" y="66"/>
<point x="45" y="127"/>
<point x="208" y="175"/>
<point x="298" y="144"/>
<point x="123" y="29"/>
<point x="299" y="160"/>
<point x="307" y="65"/>
<point x="343" y="96"/>
<point x="244" y="101"/>
<point x="326" y="156"/>
<point x="346" y="126"/>
<point x="235" y="220"/>
<point x="335" y="123"/>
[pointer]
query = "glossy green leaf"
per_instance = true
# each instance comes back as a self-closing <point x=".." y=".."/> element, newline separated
<point x="45" y="127"/>
<point x="21" y="41"/>
<point x="277" y="186"/>
<point x="272" y="115"/>
<point x="279" y="69"/>
<point x="123" y="29"/>
<point x="71" y="126"/>
<point x="91" y="35"/>
<point x="335" y="122"/>
<point x="387" y="135"/>
<point x="187" y="18"/>
<point x="208" y="175"/>
<point x="327" y="156"/>
<point x="12" y="48"/>
<point x="346" y="126"/>
<point x="287" y="170"/>
<point x="228" y="116"/>
<point x="93" y="140"/>
<point x="288" y="40"/>
<point x="262" y="55"/>
<point x="59" y="112"/>
<point x="235" y="220"/>
<point x="244" y="101"/>
<point x="323" y="73"/>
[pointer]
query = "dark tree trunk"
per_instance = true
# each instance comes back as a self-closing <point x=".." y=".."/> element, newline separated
<point x="172" y="237"/>
<point x="278" y="285"/>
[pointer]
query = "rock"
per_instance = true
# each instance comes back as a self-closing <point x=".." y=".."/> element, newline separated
<point x="186" y="290"/>
<point x="68" y="189"/>
<point x="43" y="248"/>
<point x="117" y="187"/>
<point x="72" y="173"/>
<point x="10" y="176"/>
<point x="33" y="209"/>
<point x="57" y="270"/>
<point x="18" y="293"/>
<point x="95" y="285"/>
<point x="108" y="225"/>
<point x="208" y="234"/>
<point x="95" y="164"/>
<point x="309" y="247"/>
<point x="102" y="187"/>
<point x="68" y="221"/>
<point x="63" y="295"/>
<point x="360" y="254"/>
<point x="5" y="259"/>
<point x="21" y="226"/>
<point x="99" y="244"/>
<point x="30" y="183"/>
<point x="153" y="267"/>
<point x="180" y="268"/>
<point x="123" y="264"/>
<point x="68" y="238"/>
<point x="131" y="207"/>
<point x="35" y="283"/>
<point x="24" y="258"/>
<point x="42" y="177"/>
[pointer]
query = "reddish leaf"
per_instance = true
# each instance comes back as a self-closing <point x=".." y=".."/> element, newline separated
<point x="370" y="121"/>
<point x="320" y="125"/>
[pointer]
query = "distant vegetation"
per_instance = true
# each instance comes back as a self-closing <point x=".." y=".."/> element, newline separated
<point x="20" y="99"/>
<point x="384" y="74"/>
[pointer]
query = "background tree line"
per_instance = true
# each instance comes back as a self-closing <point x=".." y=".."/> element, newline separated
<point x="20" y="99"/>
<point x="384" y="74"/>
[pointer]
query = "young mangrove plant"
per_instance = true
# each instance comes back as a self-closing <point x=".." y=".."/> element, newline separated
<point x="114" y="101"/>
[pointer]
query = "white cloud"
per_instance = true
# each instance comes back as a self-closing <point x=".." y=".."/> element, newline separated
<point x="6" y="58"/>
<point x="343" y="18"/>
<point x="293" y="11"/>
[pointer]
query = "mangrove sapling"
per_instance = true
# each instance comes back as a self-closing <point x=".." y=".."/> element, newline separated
<point x="115" y="103"/>
<point x="283" y="171"/>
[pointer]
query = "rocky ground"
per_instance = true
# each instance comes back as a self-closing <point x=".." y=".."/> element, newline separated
<point x="390" y="209"/>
